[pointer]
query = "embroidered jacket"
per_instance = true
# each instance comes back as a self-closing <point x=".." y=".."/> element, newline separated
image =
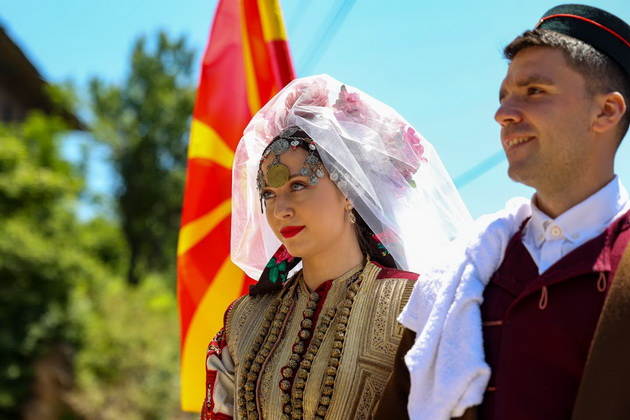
<point x="342" y="366"/>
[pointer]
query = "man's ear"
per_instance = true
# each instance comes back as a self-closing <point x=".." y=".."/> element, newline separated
<point x="611" y="108"/>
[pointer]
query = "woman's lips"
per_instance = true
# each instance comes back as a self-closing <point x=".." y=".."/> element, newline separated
<point x="290" y="231"/>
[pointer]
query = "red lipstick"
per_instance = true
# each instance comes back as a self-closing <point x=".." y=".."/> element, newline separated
<point x="290" y="231"/>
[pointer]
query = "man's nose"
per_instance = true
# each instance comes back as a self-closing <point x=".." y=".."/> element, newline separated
<point x="508" y="113"/>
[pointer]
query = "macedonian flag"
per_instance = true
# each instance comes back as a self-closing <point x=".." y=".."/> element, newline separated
<point x="246" y="63"/>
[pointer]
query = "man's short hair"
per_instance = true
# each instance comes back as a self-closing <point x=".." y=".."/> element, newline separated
<point x="600" y="72"/>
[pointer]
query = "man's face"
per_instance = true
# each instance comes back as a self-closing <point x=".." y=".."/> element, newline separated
<point x="546" y="120"/>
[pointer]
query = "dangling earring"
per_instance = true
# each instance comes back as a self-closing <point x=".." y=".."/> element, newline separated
<point x="351" y="218"/>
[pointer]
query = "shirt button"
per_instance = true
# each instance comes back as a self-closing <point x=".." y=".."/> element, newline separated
<point x="575" y="236"/>
<point x="556" y="231"/>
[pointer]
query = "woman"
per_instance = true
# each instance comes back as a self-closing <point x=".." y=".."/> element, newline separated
<point x="349" y="191"/>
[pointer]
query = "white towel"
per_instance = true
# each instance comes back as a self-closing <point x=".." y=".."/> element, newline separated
<point x="446" y="363"/>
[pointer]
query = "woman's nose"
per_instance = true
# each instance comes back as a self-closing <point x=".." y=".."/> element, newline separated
<point x="283" y="208"/>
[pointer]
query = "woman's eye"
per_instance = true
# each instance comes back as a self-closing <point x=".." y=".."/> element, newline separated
<point x="266" y="195"/>
<point x="297" y="186"/>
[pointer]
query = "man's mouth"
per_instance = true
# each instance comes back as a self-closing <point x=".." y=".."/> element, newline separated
<point x="517" y="140"/>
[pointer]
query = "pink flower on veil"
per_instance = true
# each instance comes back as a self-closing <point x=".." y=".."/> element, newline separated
<point x="411" y="137"/>
<point x="308" y="94"/>
<point x="275" y="120"/>
<point x="350" y="107"/>
<point x="349" y="103"/>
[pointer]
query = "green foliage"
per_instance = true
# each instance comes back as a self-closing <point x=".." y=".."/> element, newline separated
<point x="62" y="282"/>
<point x="65" y="281"/>
<point x="128" y="365"/>
<point x="145" y="122"/>
<point x="102" y="239"/>
<point x="40" y="258"/>
<point x="33" y="177"/>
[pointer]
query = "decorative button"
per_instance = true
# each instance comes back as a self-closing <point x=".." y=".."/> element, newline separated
<point x="556" y="231"/>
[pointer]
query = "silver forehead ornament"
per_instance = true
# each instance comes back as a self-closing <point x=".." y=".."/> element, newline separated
<point x="278" y="173"/>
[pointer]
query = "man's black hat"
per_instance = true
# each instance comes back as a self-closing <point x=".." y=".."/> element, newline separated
<point x="602" y="30"/>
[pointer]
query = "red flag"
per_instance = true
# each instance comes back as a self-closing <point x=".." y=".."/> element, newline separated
<point x="246" y="63"/>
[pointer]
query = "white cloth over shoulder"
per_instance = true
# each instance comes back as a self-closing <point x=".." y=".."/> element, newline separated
<point x="446" y="363"/>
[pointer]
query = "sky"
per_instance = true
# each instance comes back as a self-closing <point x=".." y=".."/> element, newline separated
<point x="437" y="63"/>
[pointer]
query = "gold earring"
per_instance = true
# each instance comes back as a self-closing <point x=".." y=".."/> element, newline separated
<point x="351" y="218"/>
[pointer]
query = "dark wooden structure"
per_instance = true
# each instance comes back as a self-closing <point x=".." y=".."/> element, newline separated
<point x="22" y="88"/>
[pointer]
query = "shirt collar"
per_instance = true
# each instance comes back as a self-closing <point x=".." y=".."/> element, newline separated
<point x="584" y="220"/>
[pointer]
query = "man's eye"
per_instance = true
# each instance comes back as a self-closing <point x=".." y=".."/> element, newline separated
<point x="534" y="90"/>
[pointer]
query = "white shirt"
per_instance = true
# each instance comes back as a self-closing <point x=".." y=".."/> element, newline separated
<point x="548" y="240"/>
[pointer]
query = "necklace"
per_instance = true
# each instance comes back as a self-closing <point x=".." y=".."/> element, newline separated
<point x="264" y="343"/>
<point x="296" y="372"/>
<point x="293" y="402"/>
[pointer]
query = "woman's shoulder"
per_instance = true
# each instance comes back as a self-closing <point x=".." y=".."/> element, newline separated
<point x="250" y="301"/>
<point x="390" y="283"/>
<point x="244" y="308"/>
<point x="394" y="273"/>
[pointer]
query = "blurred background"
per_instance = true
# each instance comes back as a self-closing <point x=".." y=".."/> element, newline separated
<point x="95" y="107"/>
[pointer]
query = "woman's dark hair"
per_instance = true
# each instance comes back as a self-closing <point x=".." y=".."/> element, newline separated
<point x="370" y="245"/>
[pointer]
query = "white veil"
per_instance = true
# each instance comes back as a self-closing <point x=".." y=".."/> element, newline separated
<point x="378" y="157"/>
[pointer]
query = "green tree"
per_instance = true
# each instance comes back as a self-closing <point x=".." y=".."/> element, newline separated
<point x="40" y="257"/>
<point x="65" y="302"/>
<point x="128" y="363"/>
<point x="145" y="122"/>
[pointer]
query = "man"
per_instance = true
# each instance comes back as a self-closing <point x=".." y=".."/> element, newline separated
<point x="562" y="115"/>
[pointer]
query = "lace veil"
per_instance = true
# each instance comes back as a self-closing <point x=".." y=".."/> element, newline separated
<point x="391" y="174"/>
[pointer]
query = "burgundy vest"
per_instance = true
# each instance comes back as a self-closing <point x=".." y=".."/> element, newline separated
<point x="538" y="329"/>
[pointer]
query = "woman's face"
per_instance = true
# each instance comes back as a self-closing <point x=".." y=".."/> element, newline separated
<point x="310" y="220"/>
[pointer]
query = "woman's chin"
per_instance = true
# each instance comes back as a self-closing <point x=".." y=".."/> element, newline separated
<point x="293" y="249"/>
<point x="295" y="253"/>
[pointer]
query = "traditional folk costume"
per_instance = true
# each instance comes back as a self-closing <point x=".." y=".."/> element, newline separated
<point x="556" y="274"/>
<point x="329" y="353"/>
<point x="539" y="327"/>
<point x="520" y="324"/>
<point x="286" y="352"/>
